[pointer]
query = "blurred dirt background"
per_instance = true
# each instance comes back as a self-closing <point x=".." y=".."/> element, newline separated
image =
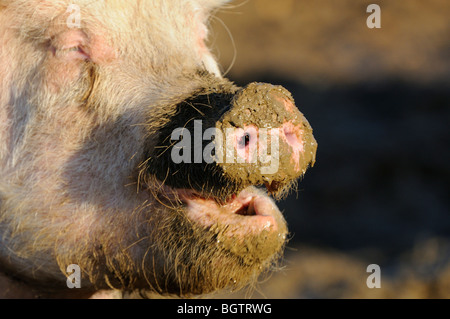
<point x="379" y="103"/>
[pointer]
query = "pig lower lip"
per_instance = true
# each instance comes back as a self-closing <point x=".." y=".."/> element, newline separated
<point x="248" y="213"/>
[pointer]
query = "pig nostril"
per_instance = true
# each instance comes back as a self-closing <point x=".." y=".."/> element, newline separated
<point x="292" y="139"/>
<point x="244" y="141"/>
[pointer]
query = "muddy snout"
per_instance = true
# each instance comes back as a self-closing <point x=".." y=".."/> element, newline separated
<point x="225" y="139"/>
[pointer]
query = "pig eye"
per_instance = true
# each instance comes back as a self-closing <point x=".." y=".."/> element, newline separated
<point x="75" y="49"/>
<point x="73" y="53"/>
<point x="78" y="52"/>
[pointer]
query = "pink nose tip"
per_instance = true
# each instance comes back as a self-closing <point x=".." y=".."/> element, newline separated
<point x="269" y="133"/>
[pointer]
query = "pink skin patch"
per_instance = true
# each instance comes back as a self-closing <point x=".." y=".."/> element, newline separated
<point x="288" y="105"/>
<point x="292" y="135"/>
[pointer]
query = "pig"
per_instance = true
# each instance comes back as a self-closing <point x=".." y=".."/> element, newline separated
<point x="92" y="94"/>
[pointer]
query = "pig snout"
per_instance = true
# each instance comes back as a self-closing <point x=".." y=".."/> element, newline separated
<point x="216" y="147"/>
<point x="225" y="139"/>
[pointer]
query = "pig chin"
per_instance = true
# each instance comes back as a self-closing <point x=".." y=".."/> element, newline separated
<point x="221" y="245"/>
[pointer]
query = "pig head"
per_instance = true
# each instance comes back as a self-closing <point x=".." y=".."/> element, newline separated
<point x="124" y="151"/>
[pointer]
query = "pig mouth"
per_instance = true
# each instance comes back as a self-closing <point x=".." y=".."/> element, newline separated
<point x="219" y="243"/>
<point x="249" y="212"/>
<point x="248" y="226"/>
